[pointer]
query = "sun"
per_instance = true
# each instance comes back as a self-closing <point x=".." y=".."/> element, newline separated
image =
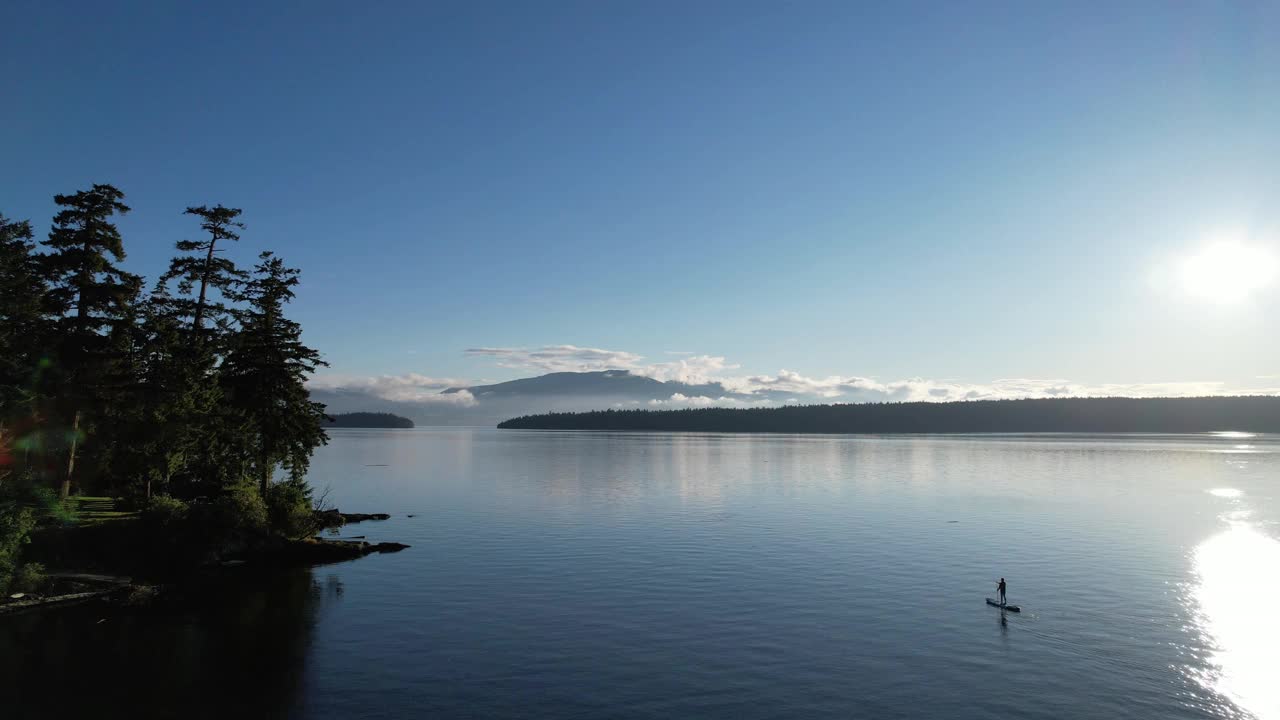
<point x="1228" y="271"/>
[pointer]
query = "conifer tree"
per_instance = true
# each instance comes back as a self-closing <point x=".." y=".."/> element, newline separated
<point x="90" y="297"/>
<point x="23" y="322"/>
<point x="264" y="376"/>
<point x="201" y="269"/>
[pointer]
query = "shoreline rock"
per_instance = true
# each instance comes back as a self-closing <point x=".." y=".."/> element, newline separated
<point x="327" y="519"/>
<point x="78" y="588"/>
<point x="99" y="563"/>
<point x="319" y="551"/>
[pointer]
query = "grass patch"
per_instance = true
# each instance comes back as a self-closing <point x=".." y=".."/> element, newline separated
<point x="93" y="510"/>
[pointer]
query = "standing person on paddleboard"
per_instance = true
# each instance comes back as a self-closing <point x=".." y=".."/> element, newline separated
<point x="1000" y="591"/>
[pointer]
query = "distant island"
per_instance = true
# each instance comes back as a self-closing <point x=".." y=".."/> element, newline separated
<point x="369" y="420"/>
<point x="1090" y="415"/>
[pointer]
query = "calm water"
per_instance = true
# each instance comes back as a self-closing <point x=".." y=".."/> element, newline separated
<point x="709" y="576"/>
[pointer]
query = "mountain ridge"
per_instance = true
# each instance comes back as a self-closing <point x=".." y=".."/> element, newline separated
<point x="550" y="392"/>
<point x="593" y="382"/>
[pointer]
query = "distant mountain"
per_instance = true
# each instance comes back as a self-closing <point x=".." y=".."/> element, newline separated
<point x="1075" y="415"/>
<point x="554" y="392"/>
<point x="368" y="420"/>
<point x="604" y="383"/>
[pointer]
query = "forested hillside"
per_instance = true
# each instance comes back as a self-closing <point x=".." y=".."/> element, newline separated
<point x="1096" y="415"/>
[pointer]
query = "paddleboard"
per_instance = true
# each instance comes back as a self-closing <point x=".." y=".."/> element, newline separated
<point x="1010" y="608"/>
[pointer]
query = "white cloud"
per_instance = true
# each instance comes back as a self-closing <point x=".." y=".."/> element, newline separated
<point x="693" y="370"/>
<point x="837" y="388"/>
<point x="409" y="387"/>
<point x="559" y="358"/>
<point x="680" y="400"/>
<point x="462" y="398"/>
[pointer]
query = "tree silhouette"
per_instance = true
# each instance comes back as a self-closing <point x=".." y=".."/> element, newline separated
<point x="202" y="269"/>
<point x="23" y="322"/>
<point x="90" y="297"/>
<point x="265" y="372"/>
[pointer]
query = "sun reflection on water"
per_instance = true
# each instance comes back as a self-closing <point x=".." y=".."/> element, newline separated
<point x="1230" y="493"/>
<point x="1237" y="592"/>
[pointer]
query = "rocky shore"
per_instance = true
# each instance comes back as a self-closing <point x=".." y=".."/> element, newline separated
<point x="64" y="589"/>
<point x="73" y="587"/>
<point x="327" y="519"/>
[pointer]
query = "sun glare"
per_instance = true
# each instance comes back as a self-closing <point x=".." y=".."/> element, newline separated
<point x="1236" y="595"/>
<point x="1228" y="271"/>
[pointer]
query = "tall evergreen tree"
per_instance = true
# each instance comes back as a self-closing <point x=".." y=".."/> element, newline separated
<point x="184" y="337"/>
<point x="264" y="376"/>
<point x="23" y="322"/>
<point x="90" y="296"/>
<point x="201" y="269"/>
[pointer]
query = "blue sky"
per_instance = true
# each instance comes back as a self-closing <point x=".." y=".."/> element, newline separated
<point x="962" y="192"/>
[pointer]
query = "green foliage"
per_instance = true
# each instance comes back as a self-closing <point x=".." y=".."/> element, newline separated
<point x="16" y="524"/>
<point x="222" y="458"/>
<point x="165" y="513"/>
<point x="28" y="578"/>
<point x="239" y="510"/>
<point x="290" y="510"/>
<point x="49" y="507"/>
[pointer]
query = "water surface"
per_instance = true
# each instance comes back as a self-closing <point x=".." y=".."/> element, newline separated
<point x="738" y="576"/>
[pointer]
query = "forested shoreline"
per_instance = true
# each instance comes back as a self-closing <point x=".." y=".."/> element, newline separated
<point x="182" y="401"/>
<point x="1091" y="415"/>
<point x="369" y="420"/>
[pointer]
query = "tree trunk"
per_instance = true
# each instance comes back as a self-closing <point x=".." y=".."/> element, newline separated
<point x="71" y="457"/>
<point x="198" y="320"/>
<point x="265" y="481"/>
<point x="82" y="314"/>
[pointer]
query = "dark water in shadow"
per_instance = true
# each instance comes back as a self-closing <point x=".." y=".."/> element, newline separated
<point x="657" y="576"/>
<point x="235" y="648"/>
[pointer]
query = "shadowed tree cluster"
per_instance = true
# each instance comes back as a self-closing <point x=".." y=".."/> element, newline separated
<point x="191" y="392"/>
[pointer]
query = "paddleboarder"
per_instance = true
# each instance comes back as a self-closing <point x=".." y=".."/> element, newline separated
<point x="1000" y="591"/>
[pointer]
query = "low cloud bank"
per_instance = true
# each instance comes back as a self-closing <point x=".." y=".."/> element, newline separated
<point x="861" y="389"/>
<point x="707" y="381"/>
<point x="407" y="388"/>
